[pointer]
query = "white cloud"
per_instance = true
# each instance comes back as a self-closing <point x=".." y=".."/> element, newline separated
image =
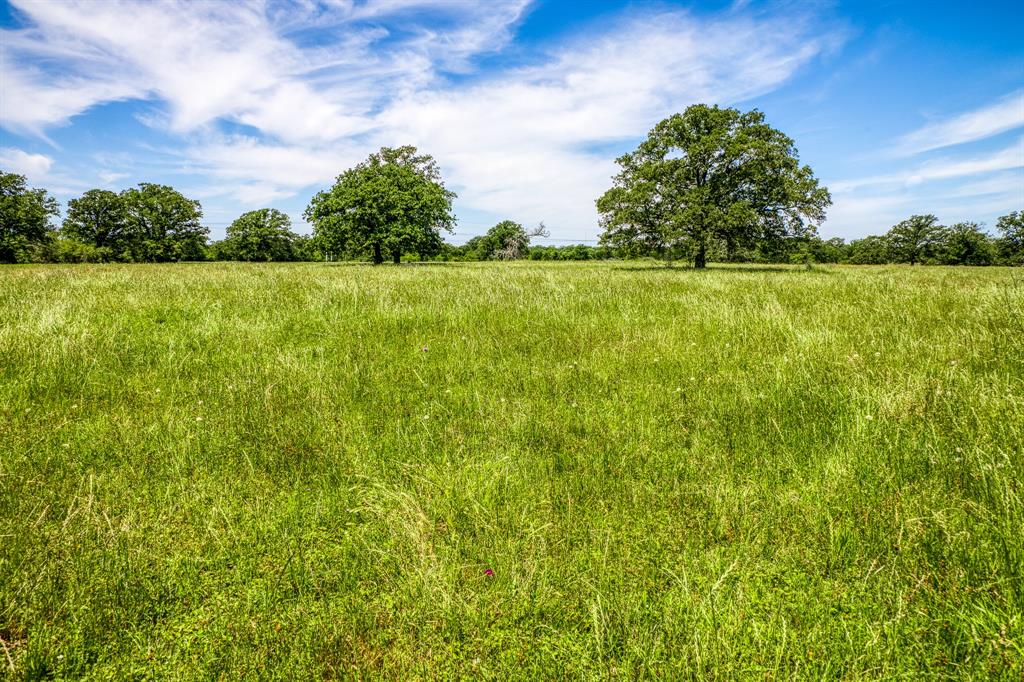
<point x="32" y="166"/>
<point x="999" y="117"/>
<point x="517" y="143"/>
<point x="977" y="187"/>
<point x="233" y="61"/>
<point x="941" y="169"/>
<point x="110" y="177"/>
<point x="256" y="173"/>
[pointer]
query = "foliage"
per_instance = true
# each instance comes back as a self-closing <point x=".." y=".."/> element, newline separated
<point x="1011" y="244"/>
<point x="261" y="235"/>
<point x="99" y="219"/>
<point x="871" y="250"/>
<point x="300" y="471"/>
<point x="916" y="239"/>
<point x="162" y="225"/>
<point x="571" y="252"/>
<point x="710" y="173"/>
<point x="966" y="244"/>
<point x="393" y="202"/>
<point x="24" y="219"/>
<point x="508" y="240"/>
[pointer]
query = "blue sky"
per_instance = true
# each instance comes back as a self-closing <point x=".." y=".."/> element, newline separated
<point x="899" y="107"/>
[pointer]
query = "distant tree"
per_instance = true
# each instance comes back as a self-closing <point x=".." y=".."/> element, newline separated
<point x="1011" y="241"/>
<point x="393" y="202"/>
<point x="966" y="244"/>
<point x="915" y="239"/>
<point x="162" y="225"/>
<point x="827" y="251"/>
<point x="871" y="250"/>
<point x="261" y="235"/>
<point x="307" y="249"/>
<point x="710" y="173"/>
<point x="24" y="219"/>
<point x="98" y="219"/>
<point x="508" y="240"/>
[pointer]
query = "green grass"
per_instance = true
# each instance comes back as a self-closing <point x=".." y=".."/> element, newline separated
<point x="305" y="471"/>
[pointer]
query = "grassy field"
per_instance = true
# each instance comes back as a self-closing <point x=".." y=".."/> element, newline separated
<point x="511" y="471"/>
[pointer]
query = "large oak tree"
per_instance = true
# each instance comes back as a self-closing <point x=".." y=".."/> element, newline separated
<point x="393" y="202"/>
<point x="710" y="173"/>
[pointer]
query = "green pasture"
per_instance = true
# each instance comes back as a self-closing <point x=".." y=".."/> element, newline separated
<point x="511" y="471"/>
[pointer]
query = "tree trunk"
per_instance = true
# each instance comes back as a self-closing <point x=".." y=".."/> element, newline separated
<point x="700" y="261"/>
<point x="377" y="257"/>
<point x="396" y="257"/>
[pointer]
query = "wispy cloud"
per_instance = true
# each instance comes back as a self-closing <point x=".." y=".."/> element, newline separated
<point x="968" y="187"/>
<point x="999" y="117"/>
<point x="320" y="83"/>
<point x="941" y="169"/>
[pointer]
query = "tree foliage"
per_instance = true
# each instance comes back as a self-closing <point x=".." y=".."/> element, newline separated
<point x="261" y="235"/>
<point x="1011" y="243"/>
<point x="966" y="244"/>
<point x="915" y="239"/>
<point x="162" y="225"/>
<point x="98" y="219"/>
<point x="24" y="219"/>
<point x="508" y="240"/>
<point x="393" y="202"/>
<point x="710" y="173"/>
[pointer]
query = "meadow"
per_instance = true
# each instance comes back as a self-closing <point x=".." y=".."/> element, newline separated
<point x="511" y="471"/>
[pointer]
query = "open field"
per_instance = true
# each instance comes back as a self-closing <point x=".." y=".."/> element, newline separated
<point x="308" y="471"/>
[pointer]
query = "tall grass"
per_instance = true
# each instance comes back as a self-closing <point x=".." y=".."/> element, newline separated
<point x="511" y="471"/>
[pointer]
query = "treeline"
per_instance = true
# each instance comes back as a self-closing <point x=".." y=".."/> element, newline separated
<point x="155" y="223"/>
<point x="919" y="239"/>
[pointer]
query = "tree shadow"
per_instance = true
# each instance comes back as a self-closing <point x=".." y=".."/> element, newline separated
<point x="389" y="264"/>
<point x="723" y="267"/>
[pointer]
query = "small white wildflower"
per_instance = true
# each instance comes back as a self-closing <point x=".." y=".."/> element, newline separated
<point x="199" y="419"/>
<point x="868" y="417"/>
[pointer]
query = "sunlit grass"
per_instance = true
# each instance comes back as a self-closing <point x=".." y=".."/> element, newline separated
<point x="310" y="470"/>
